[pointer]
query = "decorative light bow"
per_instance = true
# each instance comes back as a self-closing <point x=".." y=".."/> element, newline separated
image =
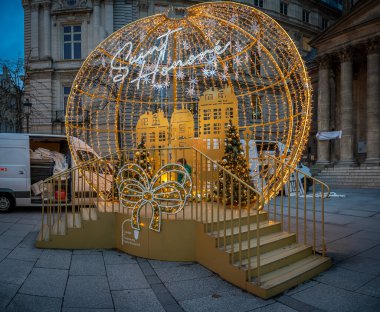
<point x="164" y="193"/>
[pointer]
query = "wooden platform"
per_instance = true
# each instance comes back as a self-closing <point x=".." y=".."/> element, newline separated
<point x="223" y="240"/>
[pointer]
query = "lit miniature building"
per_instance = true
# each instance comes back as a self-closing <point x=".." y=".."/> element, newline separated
<point x="182" y="132"/>
<point x="153" y="128"/>
<point x="216" y="108"/>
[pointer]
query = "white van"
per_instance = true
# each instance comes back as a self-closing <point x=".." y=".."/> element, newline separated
<point x="19" y="171"/>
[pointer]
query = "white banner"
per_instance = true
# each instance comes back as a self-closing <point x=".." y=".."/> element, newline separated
<point x="329" y="135"/>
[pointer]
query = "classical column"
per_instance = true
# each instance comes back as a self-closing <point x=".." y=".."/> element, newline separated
<point x="34" y="54"/>
<point x="323" y="108"/>
<point x="373" y="103"/>
<point x="108" y="8"/>
<point x="346" y="117"/>
<point x="47" y="30"/>
<point x="96" y="20"/>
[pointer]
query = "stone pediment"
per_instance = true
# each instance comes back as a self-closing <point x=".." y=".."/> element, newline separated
<point x="362" y="22"/>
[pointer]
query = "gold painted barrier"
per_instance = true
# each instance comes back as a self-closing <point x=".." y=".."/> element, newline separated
<point x="207" y="221"/>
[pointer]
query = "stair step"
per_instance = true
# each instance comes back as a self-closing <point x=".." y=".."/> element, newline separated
<point x="267" y="243"/>
<point x="291" y="275"/>
<point x="212" y="226"/>
<point x="277" y="258"/>
<point x="266" y="227"/>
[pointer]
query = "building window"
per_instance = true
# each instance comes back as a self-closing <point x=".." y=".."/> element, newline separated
<point x="258" y="3"/>
<point x="66" y="93"/>
<point x="152" y="137"/>
<point x="71" y="2"/>
<point x="145" y="121"/>
<point x="206" y="129"/>
<point x="217" y="127"/>
<point x="206" y="114"/>
<point x="208" y="142"/>
<point x="305" y="16"/>
<point x="161" y="136"/>
<point x="158" y="8"/>
<point x="305" y="44"/>
<point x="283" y="8"/>
<point x="209" y="97"/>
<point x="256" y="107"/>
<point x="155" y="121"/>
<point x="143" y="136"/>
<point x="181" y="128"/>
<point x="216" y="144"/>
<point x="72" y="42"/>
<point x="325" y="23"/>
<point x="229" y="113"/>
<point x="217" y="113"/>
<point x="226" y="127"/>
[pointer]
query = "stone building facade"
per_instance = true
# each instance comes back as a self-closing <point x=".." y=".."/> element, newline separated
<point x="349" y="87"/>
<point x="59" y="34"/>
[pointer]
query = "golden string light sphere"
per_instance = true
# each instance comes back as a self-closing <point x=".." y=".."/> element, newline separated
<point x="177" y="79"/>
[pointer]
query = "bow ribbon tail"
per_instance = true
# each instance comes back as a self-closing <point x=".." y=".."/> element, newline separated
<point x="135" y="220"/>
<point x="155" y="222"/>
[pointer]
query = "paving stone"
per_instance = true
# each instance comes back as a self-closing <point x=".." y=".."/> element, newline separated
<point x="88" y="292"/>
<point x="14" y="271"/>
<point x="87" y="252"/>
<point x="373" y="253"/>
<point x="9" y="218"/>
<point x="54" y="259"/>
<point x="301" y="287"/>
<point x="372" y="288"/>
<point x="45" y="282"/>
<point x="368" y="224"/>
<point x="274" y="307"/>
<point x="357" y="213"/>
<point x="126" y="276"/>
<point x="146" y="268"/>
<point x="20" y="227"/>
<point x="362" y="264"/>
<point x="137" y="300"/>
<point x="343" y="278"/>
<point x="233" y="301"/>
<point x="173" y="308"/>
<point x="370" y="235"/>
<point x="7" y="292"/>
<point x="335" y="299"/>
<point x="29" y="240"/>
<point x="157" y="264"/>
<point x="9" y="240"/>
<point x="182" y="272"/>
<point x="117" y="257"/>
<point x="198" y="288"/>
<point x="296" y="304"/>
<point x="34" y="304"/>
<point x="153" y="279"/>
<point x="4" y="226"/>
<point x="4" y="252"/>
<point x="163" y="295"/>
<point x="91" y="264"/>
<point x="347" y="247"/>
<point x="86" y="310"/>
<point x="27" y="254"/>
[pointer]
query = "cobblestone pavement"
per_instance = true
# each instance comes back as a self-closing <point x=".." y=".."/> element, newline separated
<point x="106" y="280"/>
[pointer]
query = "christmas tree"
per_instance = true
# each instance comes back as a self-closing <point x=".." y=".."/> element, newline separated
<point x="142" y="159"/>
<point x="235" y="162"/>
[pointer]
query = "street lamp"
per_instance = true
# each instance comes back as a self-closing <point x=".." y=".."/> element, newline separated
<point x="27" y="112"/>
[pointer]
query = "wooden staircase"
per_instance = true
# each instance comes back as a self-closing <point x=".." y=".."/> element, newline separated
<point x="284" y="263"/>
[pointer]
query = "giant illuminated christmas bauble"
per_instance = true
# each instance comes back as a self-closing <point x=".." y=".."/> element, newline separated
<point x="212" y="62"/>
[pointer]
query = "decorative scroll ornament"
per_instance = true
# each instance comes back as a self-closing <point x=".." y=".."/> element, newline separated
<point x="164" y="193"/>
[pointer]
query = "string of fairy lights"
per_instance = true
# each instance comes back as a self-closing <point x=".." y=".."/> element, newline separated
<point x="167" y="63"/>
